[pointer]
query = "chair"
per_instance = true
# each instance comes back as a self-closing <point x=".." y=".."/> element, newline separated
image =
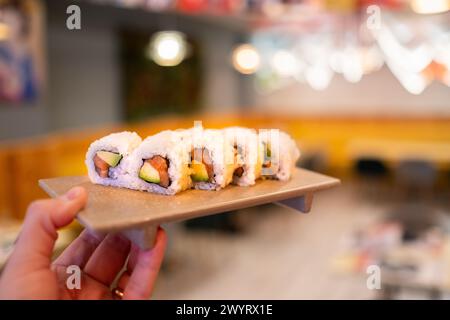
<point x="371" y="167"/>
<point x="415" y="179"/>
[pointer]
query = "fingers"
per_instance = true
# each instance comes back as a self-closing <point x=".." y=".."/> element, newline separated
<point x="80" y="250"/>
<point x="123" y="280"/>
<point x="34" y="246"/>
<point x="131" y="263"/>
<point x="144" y="268"/>
<point x="108" y="259"/>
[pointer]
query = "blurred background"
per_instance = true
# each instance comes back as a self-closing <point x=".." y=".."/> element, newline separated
<point x="363" y="87"/>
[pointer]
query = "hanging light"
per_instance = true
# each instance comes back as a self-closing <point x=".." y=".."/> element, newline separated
<point x="167" y="48"/>
<point x="335" y="60"/>
<point x="413" y="82"/>
<point x="246" y="59"/>
<point x="430" y="6"/>
<point x="352" y="65"/>
<point x="442" y="49"/>
<point x="371" y="59"/>
<point x="414" y="60"/>
<point x="285" y="64"/>
<point x="318" y="76"/>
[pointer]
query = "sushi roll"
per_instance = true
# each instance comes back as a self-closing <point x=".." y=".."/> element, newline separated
<point x="280" y="154"/>
<point x="161" y="164"/>
<point x="106" y="158"/>
<point x="248" y="155"/>
<point x="212" y="159"/>
<point x="206" y="159"/>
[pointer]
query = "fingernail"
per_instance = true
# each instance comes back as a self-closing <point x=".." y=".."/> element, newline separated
<point x="73" y="193"/>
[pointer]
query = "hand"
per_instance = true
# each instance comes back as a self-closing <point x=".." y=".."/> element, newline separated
<point x="30" y="274"/>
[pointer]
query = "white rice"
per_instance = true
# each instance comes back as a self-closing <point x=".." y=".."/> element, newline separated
<point x="123" y="143"/>
<point x="176" y="146"/>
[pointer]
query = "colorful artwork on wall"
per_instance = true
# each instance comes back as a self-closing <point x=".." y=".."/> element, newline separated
<point x="21" y="51"/>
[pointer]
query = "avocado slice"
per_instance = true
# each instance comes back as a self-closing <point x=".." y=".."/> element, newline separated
<point x="268" y="152"/>
<point x="149" y="174"/>
<point x="111" y="158"/>
<point x="199" y="172"/>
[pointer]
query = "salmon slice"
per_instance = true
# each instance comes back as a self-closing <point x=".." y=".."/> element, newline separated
<point x="207" y="161"/>
<point x="239" y="172"/>
<point x="161" y="165"/>
<point x="267" y="164"/>
<point x="101" y="167"/>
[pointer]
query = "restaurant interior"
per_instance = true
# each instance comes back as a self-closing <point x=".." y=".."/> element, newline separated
<point x="361" y="85"/>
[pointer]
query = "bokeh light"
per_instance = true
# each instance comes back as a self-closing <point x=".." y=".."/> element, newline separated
<point x="167" y="48"/>
<point x="246" y="59"/>
<point x="430" y="6"/>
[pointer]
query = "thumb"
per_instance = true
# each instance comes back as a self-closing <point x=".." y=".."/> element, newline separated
<point x="34" y="247"/>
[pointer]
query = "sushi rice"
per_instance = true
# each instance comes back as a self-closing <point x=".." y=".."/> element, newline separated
<point x="236" y="155"/>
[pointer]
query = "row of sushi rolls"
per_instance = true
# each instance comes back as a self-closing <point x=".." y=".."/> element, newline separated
<point x="207" y="159"/>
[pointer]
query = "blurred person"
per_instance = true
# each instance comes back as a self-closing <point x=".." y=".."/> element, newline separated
<point x="30" y="273"/>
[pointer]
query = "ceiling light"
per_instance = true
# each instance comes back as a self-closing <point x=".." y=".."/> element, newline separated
<point x="285" y="64"/>
<point x="167" y="48"/>
<point x="430" y="6"/>
<point x="246" y="59"/>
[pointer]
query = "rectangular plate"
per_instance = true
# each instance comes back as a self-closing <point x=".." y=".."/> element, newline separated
<point x="115" y="209"/>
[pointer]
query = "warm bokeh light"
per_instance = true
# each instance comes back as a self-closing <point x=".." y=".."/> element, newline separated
<point x="414" y="84"/>
<point x="246" y="59"/>
<point x="4" y="31"/>
<point x="167" y="48"/>
<point x="352" y="69"/>
<point x="284" y="63"/>
<point x="318" y="76"/>
<point x="430" y="6"/>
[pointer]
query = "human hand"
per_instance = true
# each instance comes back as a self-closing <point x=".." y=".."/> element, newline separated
<point x="30" y="273"/>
